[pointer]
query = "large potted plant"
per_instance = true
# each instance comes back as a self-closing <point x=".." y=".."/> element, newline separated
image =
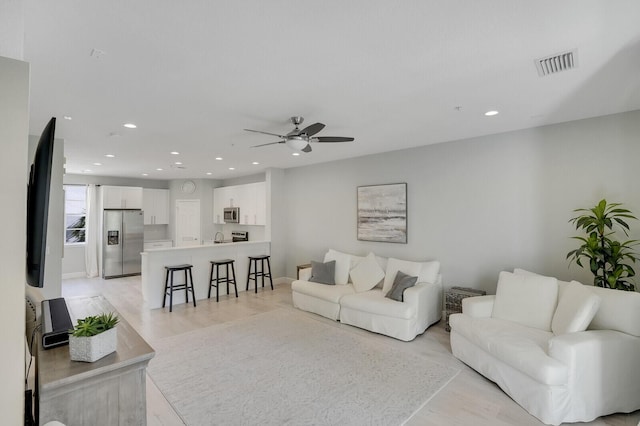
<point x="93" y="338"/>
<point x="610" y="261"/>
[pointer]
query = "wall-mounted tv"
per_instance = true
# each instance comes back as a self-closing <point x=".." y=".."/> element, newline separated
<point x="38" y="205"/>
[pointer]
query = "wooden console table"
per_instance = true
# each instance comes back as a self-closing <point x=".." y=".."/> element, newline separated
<point x="110" y="391"/>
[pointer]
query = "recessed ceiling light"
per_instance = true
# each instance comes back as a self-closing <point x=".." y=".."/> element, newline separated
<point x="232" y="168"/>
<point x="130" y="125"/>
<point x="159" y="169"/>
<point x="491" y="113"/>
<point x="145" y="174"/>
<point x="175" y="153"/>
<point x="109" y="155"/>
<point x="178" y="163"/>
<point x="97" y="164"/>
<point x="295" y="154"/>
<point x="68" y="117"/>
<point x="255" y="163"/>
<point x="219" y="158"/>
<point x="209" y="173"/>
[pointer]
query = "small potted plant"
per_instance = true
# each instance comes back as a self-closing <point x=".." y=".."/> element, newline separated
<point x="93" y="337"/>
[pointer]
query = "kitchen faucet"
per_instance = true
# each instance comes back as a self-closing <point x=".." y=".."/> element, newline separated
<point x="215" y="237"/>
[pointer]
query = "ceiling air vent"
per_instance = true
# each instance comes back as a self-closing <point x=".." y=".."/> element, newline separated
<point x="556" y="63"/>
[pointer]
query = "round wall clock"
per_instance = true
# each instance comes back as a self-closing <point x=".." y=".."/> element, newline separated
<point x="188" y="187"/>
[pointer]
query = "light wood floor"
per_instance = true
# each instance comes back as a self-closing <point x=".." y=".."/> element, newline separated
<point x="468" y="399"/>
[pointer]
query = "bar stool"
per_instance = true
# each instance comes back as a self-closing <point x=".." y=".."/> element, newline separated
<point x="221" y="280"/>
<point x="169" y="287"/>
<point x="253" y="261"/>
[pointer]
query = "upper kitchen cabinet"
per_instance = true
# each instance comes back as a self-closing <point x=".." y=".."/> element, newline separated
<point x="250" y="199"/>
<point x="121" y="197"/>
<point x="156" y="206"/>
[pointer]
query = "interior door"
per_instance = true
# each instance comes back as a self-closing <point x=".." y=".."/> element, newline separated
<point x="187" y="223"/>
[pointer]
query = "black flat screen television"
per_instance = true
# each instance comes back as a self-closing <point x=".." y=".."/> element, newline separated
<point x="38" y="205"/>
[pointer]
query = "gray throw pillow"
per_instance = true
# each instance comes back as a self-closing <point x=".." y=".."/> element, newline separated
<point x="323" y="273"/>
<point x="400" y="284"/>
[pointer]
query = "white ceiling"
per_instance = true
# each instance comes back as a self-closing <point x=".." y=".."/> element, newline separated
<point x="193" y="74"/>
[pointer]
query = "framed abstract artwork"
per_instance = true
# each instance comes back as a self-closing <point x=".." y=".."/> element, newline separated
<point x="382" y="213"/>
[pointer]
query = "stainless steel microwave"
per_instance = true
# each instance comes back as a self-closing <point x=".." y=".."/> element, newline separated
<point x="232" y="214"/>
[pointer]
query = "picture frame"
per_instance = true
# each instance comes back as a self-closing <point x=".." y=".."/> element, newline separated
<point x="382" y="213"/>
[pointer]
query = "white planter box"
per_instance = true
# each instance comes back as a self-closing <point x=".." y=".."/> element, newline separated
<point x="90" y="349"/>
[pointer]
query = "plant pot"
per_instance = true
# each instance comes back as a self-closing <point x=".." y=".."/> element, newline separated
<point x="91" y="349"/>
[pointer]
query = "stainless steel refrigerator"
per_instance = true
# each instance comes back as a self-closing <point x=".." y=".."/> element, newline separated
<point x="122" y="242"/>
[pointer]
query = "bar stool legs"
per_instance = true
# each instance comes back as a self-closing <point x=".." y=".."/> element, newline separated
<point x="253" y="263"/>
<point x="170" y="287"/>
<point x="229" y="279"/>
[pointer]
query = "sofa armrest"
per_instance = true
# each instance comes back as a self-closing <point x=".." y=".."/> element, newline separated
<point x="426" y="298"/>
<point x="602" y="368"/>
<point x="305" y="274"/>
<point x="478" y="306"/>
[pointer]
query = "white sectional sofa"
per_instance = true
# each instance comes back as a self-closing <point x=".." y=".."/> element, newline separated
<point x="564" y="351"/>
<point x="358" y="296"/>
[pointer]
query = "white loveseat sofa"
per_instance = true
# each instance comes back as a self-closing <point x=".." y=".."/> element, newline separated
<point x="565" y="352"/>
<point x="358" y="296"/>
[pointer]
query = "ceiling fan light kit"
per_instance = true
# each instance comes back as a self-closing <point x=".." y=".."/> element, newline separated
<point x="300" y="140"/>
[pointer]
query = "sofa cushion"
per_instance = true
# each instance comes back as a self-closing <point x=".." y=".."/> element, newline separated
<point x="529" y="300"/>
<point x="577" y="306"/>
<point x="367" y="274"/>
<point x="323" y="273"/>
<point x="523" y="348"/>
<point x="330" y="293"/>
<point x="374" y="302"/>
<point x="427" y="272"/>
<point x="343" y="265"/>
<point x="400" y="284"/>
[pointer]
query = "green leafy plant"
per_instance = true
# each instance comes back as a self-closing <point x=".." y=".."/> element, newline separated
<point x="96" y="324"/>
<point x="609" y="260"/>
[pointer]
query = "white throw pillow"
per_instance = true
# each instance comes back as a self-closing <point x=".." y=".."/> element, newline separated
<point x="529" y="300"/>
<point x="427" y="272"/>
<point x="343" y="265"/>
<point x="576" y="308"/>
<point x="367" y="274"/>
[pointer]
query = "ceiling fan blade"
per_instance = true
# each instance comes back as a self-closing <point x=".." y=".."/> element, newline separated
<point x="332" y="139"/>
<point x="265" y="133"/>
<point x="265" y="144"/>
<point x="313" y="129"/>
<point x="307" y="148"/>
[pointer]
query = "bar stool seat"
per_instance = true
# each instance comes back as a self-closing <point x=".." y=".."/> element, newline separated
<point x="228" y="279"/>
<point x="170" y="287"/>
<point x="253" y="263"/>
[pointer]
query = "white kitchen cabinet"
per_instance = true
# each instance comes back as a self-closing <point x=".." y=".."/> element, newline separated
<point x="155" y="206"/>
<point x="121" y="197"/>
<point x="250" y="198"/>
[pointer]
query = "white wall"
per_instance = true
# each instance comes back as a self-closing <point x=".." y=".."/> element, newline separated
<point x="12" y="29"/>
<point x="479" y="205"/>
<point x="204" y="193"/>
<point x="14" y="134"/>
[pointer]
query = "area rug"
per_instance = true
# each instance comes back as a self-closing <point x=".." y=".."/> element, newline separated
<point x="285" y="367"/>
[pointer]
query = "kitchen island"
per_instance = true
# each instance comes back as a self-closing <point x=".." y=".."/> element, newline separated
<point x="154" y="261"/>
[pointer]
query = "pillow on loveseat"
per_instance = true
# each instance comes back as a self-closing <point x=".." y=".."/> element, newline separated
<point x="529" y="300"/>
<point x="427" y="272"/>
<point x="323" y="273"/>
<point x="576" y="308"/>
<point x="343" y="265"/>
<point x="366" y="274"/>
<point x="400" y="284"/>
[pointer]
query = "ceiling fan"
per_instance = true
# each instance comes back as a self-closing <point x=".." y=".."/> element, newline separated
<point x="300" y="139"/>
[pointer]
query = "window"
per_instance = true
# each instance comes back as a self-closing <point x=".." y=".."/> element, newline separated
<point x="75" y="210"/>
